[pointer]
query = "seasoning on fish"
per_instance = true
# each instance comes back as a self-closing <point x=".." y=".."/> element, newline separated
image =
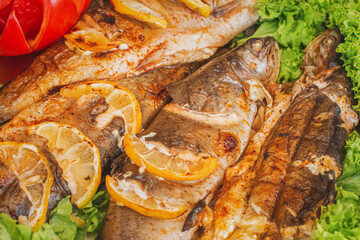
<point x="107" y="45"/>
<point x="92" y="107"/>
<point x="25" y="172"/>
<point x="210" y="117"/>
<point x="276" y="193"/>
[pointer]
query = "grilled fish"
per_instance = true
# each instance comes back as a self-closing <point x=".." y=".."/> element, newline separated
<point x="276" y="190"/>
<point x="212" y="113"/>
<point x="149" y="89"/>
<point x="107" y="45"/>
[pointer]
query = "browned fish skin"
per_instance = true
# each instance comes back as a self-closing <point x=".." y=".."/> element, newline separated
<point x="13" y="199"/>
<point x="211" y="113"/>
<point x="321" y="150"/>
<point x="149" y="89"/>
<point x="299" y="162"/>
<point x="138" y="48"/>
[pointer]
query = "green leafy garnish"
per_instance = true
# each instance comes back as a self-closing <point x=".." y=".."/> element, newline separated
<point x="9" y="229"/>
<point x="340" y="220"/>
<point x="66" y="222"/>
<point x="350" y="178"/>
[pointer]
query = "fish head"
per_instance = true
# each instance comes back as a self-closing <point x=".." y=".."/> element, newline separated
<point x="257" y="58"/>
<point x="320" y="54"/>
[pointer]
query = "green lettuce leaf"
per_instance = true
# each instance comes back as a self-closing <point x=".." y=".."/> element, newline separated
<point x="60" y="225"/>
<point x="67" y="222"/>
<point x="340" y="220"/>
<point x="93" y="214"/>
<point x="9" y="229"/>
<point x="350" y="178"/>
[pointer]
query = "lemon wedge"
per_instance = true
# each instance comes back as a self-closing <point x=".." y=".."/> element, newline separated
<point x="198" y="6"/>
<point x="126" y="193"/>
<point x="32" y="169"/>
<point x="140" y="11"/>
<point x="169" y="167"/>
<point x="121" y="101"/>
<point x="77" y="156"/>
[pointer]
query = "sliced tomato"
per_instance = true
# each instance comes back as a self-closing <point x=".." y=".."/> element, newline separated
<point x="5" y="7"/>
<point x="51" y="30"/>
<point x="31" y="25"/>
<point x="29" y="15"/>
<point x="12" y="40"/>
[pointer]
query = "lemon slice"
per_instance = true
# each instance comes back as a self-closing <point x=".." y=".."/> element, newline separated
<point x="77" y="156"/>
<point x="139" y="201"/>
<point x="140" y="11"/>
<point x="32" y="169"/>
<point x="169" y="167"/>
<point x="121" y="102"/>
<point x="198" y="6"/>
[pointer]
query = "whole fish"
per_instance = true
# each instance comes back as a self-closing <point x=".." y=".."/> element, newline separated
<point x="107" y="45"/>
<point x="212" y="113"/>
<point x="150" y="91"/>
<point x="277" y="189"/>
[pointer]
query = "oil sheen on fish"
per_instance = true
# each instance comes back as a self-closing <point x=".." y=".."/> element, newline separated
<point x="212" y="114"/>
<point x="277" y="189"/>
<point x="107" y="45"/>
<point x="150" y="91"/>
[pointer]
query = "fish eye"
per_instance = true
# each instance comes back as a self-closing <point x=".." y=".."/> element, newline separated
<point x="329" y="41"/>
<point x="257" y="45"/>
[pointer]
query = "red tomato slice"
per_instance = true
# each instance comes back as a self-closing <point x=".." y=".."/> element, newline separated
<point x="52" y="30"/>
<point x="12" y="40"/>
<point x="31" y="25"/>
<point x="5" y="7"/>
<point x="29" y="14"/>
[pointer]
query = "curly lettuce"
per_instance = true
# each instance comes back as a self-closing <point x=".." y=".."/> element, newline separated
<point x="350" y="178"/>
<point x="342" y="219"/>
<point x="66" y="222"/>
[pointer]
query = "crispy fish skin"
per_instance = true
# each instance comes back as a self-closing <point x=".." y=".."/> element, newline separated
<point x="238" y="178"/>
<point x="279" y="194"/>
<point x="211" y="113"/>
<point x="311" y="176"/>
<point x="149" y="89"/>
<point x="119" y="47"/>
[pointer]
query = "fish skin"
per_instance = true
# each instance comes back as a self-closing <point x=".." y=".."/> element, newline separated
<point x="233" y="197"/>
<point x="149" y="89"/>
<point x="193" y="122"/>
<point x="321" y="151"/>
<point x="192" y="38"/>
<point x="294" y="173"/>
<point x="10" y="203"/>
<point x="126" y="222"/>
